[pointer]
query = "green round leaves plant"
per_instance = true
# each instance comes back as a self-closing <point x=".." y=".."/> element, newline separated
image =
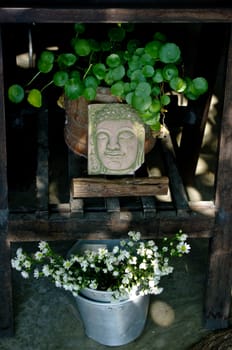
<point x="141" y="73"/>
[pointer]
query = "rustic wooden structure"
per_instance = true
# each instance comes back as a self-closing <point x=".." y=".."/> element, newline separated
<point x="70" y="221"/>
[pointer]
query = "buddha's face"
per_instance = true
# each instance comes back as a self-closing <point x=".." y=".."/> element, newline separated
<point x="117" y="144"/>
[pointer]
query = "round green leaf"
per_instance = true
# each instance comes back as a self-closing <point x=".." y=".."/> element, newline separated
<point x="82" y="47"/>
<point x="113" y="60"/>
<point x="156" y="90"/>
<point x="143" y="89"/>
<point x="169" y="53"/>
<point x="109" y="80"/>
<point x="60" y="78"/>
<point x="67" y="59"/>
<point x="90" y="93"/>
<point x="148" y="71"/>
<point x="47" y="57"/>
<point x="35" y="98"/>
<point x="165" y="100"/>
<point x="139" y="51"/>
<point x="178" y="84"/>
<point x="79" y="28"/>
<point x="99" y="70"/>
<point x="16" y="93"/>
<point x="91" y="81"/>
<point x="137" y="76"/>
<point x="141" y="103"/>
<point x="146" y="59"/>
<point x="134" y="63"/>
<point x="158" y="76"/>
<point x="170" y="71"/>
<point x="117" y="89"/>
<point x="200" y="85"/>
<point x="153" y="121"/>
<point x="44" y="67"/>
<point x="155" y="106"/>
<point x="73" y="88"/>
<point x="152" y="48"/>
<point x="118" y="73"/>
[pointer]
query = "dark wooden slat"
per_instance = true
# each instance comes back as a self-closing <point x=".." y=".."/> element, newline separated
<point x="145" y="15"/>
<point x="3" y="159"/>
<point x="112" y="204"/>
<point x="92" y="225"/>
<point x="6" y="313"/>
<point x="177" y="189"/>
<point x="42" y="166"/>
<point x="218" y="294"/>
<point x="100" y="187"/>
<point x="149" y="206"/>
<point x="6" y="307"/>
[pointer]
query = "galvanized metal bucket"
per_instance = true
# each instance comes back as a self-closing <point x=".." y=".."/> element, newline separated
<point x="115" y="323"/>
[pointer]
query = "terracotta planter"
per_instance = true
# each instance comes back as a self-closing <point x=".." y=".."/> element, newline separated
<point x="76" y="126"/>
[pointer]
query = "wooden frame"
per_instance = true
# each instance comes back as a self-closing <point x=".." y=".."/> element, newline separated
<point x="214" y="220"/>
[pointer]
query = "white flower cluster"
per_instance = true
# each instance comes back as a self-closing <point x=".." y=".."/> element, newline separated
<point x="132" y="266"/>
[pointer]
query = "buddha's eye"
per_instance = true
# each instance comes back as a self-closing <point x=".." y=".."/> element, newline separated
<point x="102" y="136"/>
<point x="126" y="135"/>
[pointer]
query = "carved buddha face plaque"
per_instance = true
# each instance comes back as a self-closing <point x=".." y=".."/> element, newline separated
<point x="115" y="139"/>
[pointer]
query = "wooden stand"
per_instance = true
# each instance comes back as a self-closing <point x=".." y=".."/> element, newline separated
<point x="71" y="221"/>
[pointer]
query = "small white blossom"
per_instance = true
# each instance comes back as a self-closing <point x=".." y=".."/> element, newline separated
<point x="134" y="266"/>
<point x="183" y="248"/>
<point x="36" y="273"/>
<point x="93" y="285"/>
<point x="25" y="274"/>
<point x="67" y="264"/>
<point x="38" y="256"/>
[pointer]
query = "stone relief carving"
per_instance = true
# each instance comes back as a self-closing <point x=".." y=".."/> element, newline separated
<point x="116" y="139"/>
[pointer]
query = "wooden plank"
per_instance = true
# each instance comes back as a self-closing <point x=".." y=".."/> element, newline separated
<point x="177" y="189"/>
<point x="100" y="187"/>
<point x="114" y="15"/>
<point x="6" y="315"/>
<point x="42" y="177"/>
<point x="113" y="205"/>
<point x="149" y="206"/>
<point x="6" y="304"/>
<point x="3" y="157"/>
<point x="218" y="293"/>
<point x="92" y="225"/>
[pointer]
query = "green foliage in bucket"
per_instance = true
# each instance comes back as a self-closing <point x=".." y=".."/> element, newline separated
<point x="142" y="74"/>
<point x="132" y="266"/>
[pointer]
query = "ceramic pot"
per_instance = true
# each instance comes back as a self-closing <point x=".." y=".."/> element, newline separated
<point x="76" y="124"/>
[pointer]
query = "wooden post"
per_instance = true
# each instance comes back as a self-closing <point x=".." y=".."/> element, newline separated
<point x="218" y="294"/>
<point x="6" y="317"/>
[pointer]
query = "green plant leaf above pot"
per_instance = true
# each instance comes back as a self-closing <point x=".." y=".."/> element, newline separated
<point x="141" y="70"/>
<point x="169" y="53"/>
<point x="35" y="98"/>
<point x="73" y="88"/>
<point x="16" y="93"/>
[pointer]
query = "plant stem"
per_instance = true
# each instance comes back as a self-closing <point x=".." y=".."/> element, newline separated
<point x="45" y="86"/>
<point x="86" y="73"/>
<point x="35" y="76"/>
